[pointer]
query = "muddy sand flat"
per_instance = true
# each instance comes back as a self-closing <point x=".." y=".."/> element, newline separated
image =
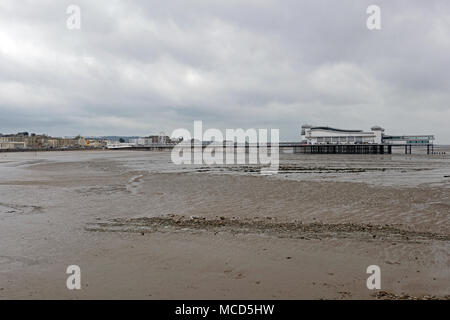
<point x="140" y="231"/>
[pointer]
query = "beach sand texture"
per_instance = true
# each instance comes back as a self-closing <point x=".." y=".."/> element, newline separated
<point x="140" y="227"/>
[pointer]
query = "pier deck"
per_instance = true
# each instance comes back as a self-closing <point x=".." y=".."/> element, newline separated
<point x="302" y="148"/>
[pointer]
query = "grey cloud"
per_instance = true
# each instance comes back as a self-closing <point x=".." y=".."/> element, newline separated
<point x="141" y="67"/>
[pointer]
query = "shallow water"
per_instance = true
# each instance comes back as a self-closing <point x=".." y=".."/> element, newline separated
<point x="397" y="169"/>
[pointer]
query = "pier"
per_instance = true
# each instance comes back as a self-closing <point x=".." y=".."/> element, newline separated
<point x="345" y="149"/>
<point x="296" y="146"/>
<point x="359" y="149"/>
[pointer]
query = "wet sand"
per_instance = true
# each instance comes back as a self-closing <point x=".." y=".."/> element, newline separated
<point x="141" y="228"/>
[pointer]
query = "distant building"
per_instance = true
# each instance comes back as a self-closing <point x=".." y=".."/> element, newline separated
<point x="13" y="142"/>
<point x="150" y="140"/>
<point x="328" y="135"/>
<point x="11" y="145"/>
<point x="416" y="139"/>
<point x="96" y="143"/>
<point x="32" y="141"/>
<point x="312" y="135"/>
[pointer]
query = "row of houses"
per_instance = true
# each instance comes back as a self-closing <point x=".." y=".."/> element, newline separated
<point x="25" y="140"/>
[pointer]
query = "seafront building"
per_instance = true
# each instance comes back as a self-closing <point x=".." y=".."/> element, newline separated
<point x="321" y="135"/>
<point x="161" y="139"/>
<point x="31" y="141"/>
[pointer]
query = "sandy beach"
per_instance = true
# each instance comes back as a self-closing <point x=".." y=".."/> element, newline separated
<point x="140" y="227"/>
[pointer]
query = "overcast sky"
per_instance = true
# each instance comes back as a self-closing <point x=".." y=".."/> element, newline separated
<point x="142" y="67"/>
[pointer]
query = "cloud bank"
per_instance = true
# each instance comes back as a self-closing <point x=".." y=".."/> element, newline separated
<point x="142" y="67"/>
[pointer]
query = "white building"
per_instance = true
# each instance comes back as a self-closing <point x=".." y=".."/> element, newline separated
<point x="327" y="135"/>
<point x="119" y="145"/>
<point x="141" y="141"/>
